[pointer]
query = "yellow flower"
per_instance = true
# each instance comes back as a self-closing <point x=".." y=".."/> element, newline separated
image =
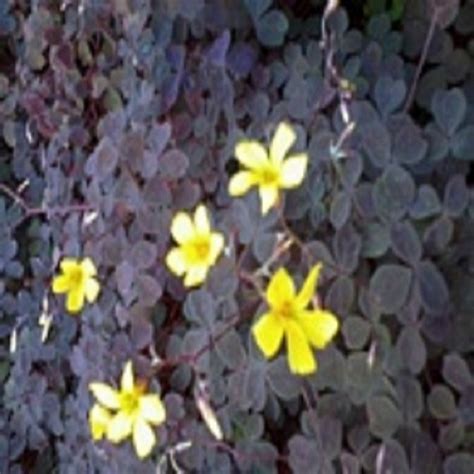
<point x="78" y="281"/>
<point x="288" y="315"/>
<point x="269" y="172"/>
<point x="126" y="412"/>
<point x="198" y="248"/>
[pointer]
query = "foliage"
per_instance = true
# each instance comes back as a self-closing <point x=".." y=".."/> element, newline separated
<point x="116" y="116"/>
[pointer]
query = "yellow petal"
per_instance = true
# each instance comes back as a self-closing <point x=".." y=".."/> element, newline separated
<point x="217" y="245"/>
<point x="268" y="197"/>
<point x="99" y="418"/>
<point x="143" y="438"/>
<point x="176" y="261"/>
<point x="300" y="357"/>
<point x="182" y="228"/>
<point x="241" y="182"/>
<point x="69" y="265"/>
<point x="201" y="221"/>
<point x="151" y="409"/>
<point x="268" y="333"/>
<point x="251" y="154"/>
<point x="319" y="326"/>
<point x="60" y="284"/>
<point x="126" y="381"/>
<point x="281" y="289"/>
<point x="293" y="170"/>
<point x="119" y="427"/>
<point x="309" y="287"/>
<point x="105" y="394"/>
<point x="281" y="143"/>
<point x="75" y="300"/>
<point x="195" y="275"/>
<point x="92" y="289"/>
<point x="88" y="267"/>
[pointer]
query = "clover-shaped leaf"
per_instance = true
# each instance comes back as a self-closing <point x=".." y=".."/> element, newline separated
<point x="356" y="331"/>
<point x="456" y="371"/>
<point x="410" y="397"/>
<point x="389" y="287"/>
<point x="449" y="109"/>
<point x="393" y="192"/>
<point x="389" y="94"/>
<point x="433" y="289"/>
<point x="405" y="242"/>
<point x="411" y="349"/>
<point x="462" y="143"/>
<point x="441" y="402"/>
<point x="426" y="204"/>
<point x="271" y="25"/>
<point x="456" y="195"/>
<point x="200" y="307"/>
<point x="384" y="416"/>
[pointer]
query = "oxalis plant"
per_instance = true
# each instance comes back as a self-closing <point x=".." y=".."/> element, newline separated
<point x="237" y="236"/>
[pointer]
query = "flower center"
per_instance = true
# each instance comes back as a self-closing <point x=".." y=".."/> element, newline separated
<point x="129" y="402"/>
<point x="286" y="310"/>
<point x="201" y="249"/>
<point x="269" y="176"/>
<point x="76" y="277"/>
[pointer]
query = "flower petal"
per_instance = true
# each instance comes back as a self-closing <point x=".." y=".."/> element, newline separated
<point x="319" y="326"/>
<point x="105" y="394"/>
<point x="176" y="261"/>
<point x="300" y="357"/>
<point x="151" y="409"/>
<point x="143" y="438"/>
<point x="182" y="228"/>
<point x="119" y="427"/>
<point x="127" y="383"/>
<point x="99" y="418"/>
<point x="69" y="264"/>
<point x="282" y="141"/>
<point x="75" y="300"/>
<point x="216" y="246"/>
<point x="268" y="333"/>
<point x="241" y="182"/>
<point x="92" y="289"/>
<point x="281" y="289"/>
<point x="268" y="197"/>
<point x="88" y="267"/>
<point x="201" y="220"/>
<point x="60" y="284"/>
<point x="309" y="287"/>
<point x="195" y="275"/>
<point x="293" y="170"/>
<point x="251" y="154"/>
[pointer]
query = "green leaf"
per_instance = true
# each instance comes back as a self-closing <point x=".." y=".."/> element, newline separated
<point x="200" y="307"/>
<point x="375" y="240"/>
<point x="411" y="349"/>
<point x="356" y="331"/>
<point x="456" y="372"/>
<point x="384" y="416"/>
<point x="441" y="402"/>
<point x="410" y="397"/>
<point x="459" y="463"/>
<point x="406" y="244"/>
<point x="449" y="109"/>
<point x="393" y="192"/>
<point x="271" y="28"/>
<point x="286" y="385"/>
<point x="462" y="144"/>
<point x="433" y="289"/>
<point x="231" y="350"/>
<point x="256" y="8"/>
<point x="389" y="287"/>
